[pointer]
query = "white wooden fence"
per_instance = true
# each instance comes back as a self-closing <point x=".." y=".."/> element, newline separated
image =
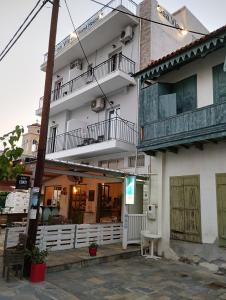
<point x="102" y="234"/>
<point x="136" y="223"/>
<point x="61" y="237"/>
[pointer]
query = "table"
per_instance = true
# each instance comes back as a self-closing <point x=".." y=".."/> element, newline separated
<point x="152" y="238"/>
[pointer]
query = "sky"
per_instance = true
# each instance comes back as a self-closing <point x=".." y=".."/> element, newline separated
<point x="22" y="81"/>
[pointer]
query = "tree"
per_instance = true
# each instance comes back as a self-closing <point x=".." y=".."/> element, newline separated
<point x="11" y="152"/>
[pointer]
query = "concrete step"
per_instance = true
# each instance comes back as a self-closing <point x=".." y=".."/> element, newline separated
<point x="81" y="262"/>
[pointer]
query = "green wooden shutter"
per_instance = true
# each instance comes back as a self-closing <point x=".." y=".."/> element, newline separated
<point x="219" y="84"/>
<point x="221" y="208"/>
<point x="186" y="91"/>
<point x="192" y="209"/>
<point x="177" y="208"/>
<point x="185" y="213"/>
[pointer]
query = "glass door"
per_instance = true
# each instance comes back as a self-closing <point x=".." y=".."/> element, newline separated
<point x="113" y="129"/>
<point x="52" y="139"/>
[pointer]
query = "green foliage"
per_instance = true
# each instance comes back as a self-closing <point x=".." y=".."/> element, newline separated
<point x="3" y="196"/>
<point x="11" y="152"/>
<point x="37" y="256"/>
<point x="93" y="245"/>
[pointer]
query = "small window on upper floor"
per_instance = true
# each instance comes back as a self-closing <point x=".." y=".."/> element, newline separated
<point x="140" y="161"/>
<point x="219" y="84"/>
<point x="186" y="94"/>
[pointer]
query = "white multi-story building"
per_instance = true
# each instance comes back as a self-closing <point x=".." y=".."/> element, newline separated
<point x="86" y="127"/>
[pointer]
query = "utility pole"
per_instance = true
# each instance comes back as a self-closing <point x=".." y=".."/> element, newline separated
<point x="40" y="164"/>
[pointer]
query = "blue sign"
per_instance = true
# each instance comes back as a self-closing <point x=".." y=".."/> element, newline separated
<point x="130" y="189"/>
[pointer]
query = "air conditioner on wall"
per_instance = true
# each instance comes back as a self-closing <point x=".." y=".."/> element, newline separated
<point x="77" y="64"/>
<point x="126" y="34"/>
<point x="98" y="104"/>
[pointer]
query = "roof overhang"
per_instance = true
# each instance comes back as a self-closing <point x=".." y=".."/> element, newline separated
<point x="196" y="50"/>
<point x="55" y="168"/>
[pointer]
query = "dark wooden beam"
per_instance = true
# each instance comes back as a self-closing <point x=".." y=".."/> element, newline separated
<point x="151" y="153"/>
<point x="186" y="146"/>
<point x="162" y="150"/>
<point x="199" y="145"/>
<point x="173" y="150"/>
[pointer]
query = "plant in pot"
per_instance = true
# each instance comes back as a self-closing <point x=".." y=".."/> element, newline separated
<point x="93" y="249"/>
<point x="38" y="264"/>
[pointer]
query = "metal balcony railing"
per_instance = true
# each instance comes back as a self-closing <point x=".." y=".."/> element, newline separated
<point x="116" y="63"/>
<point x="112" y="129"/>
<point x="91" y="22"/>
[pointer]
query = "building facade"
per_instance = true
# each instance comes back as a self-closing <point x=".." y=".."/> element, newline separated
<point x="94" y="105"/>
<point x="182" y="120"/>
<point x="30" y="140"/>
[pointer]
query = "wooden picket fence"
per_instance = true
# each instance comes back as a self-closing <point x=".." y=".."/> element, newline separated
<point x="62" y="237"/>
<point x="102" y="234"/>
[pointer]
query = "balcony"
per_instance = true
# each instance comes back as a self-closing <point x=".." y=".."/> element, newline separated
<point x="110" y="136"/>
<point x="97" y="31"/>
<point x="84" y="88"/>
<point x="196" y="127"/>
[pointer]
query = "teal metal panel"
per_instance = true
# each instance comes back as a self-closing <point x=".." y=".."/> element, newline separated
<point x="197" y="125"/>
<point x="167" y="106"/>
<point x="186" y="91"/>
<point x="219" y="84"/>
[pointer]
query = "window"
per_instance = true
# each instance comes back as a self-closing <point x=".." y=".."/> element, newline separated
<point x="112" y="163"/>
<point x="132" y="160"/>
<point x="219" y="84"/>
<point x="186" y="94"/>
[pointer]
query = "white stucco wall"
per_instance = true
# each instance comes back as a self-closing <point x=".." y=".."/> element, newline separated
<point x="207" y="164"/>
<point x="203" y="69"/>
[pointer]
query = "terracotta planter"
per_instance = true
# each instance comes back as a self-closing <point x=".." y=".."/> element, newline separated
<point x="38" y="272"/>
<point x="92" y="251"/>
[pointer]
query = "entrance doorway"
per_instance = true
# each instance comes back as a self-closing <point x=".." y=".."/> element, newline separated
<point x="185" y="214"/>
<point x="113" y="129"/>
<point x="78" y="195"/>
<point x="52" y="139"/>
<point x="109" y="202"/>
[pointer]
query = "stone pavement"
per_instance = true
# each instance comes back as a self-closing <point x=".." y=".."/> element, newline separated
<point x="128" y="279"/>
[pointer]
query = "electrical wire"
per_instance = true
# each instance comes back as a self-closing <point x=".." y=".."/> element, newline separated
<point x="36" y="5"/>
<point x="87" y="60"/>
<point x="147" y="19"/>
<point x="8" y="48"/>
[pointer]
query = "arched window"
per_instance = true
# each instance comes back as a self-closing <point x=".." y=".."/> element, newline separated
<point x="34" y="146"/>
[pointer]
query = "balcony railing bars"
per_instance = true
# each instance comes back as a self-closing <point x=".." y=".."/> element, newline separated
<point x="105" y="68"/>
<point x="112" y="129"/>
<point x="90" y="23"/>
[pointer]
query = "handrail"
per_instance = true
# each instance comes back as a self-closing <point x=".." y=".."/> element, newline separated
<point x="103" y="69"/>
<point x="87" y="25"/>
<point x="111" y="129"/>
<point x="187" y="113"/>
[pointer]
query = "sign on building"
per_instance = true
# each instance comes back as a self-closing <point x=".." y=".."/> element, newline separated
<point x="22" y="182"/>
<point x="130" y="189"/>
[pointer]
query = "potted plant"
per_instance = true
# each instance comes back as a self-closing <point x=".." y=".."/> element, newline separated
<point x="38" y="264"/>
<point x="93" y="249"/>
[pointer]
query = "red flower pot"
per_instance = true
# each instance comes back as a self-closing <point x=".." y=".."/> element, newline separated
<point x="92" y="251"/>
<point x="38" y="272"/>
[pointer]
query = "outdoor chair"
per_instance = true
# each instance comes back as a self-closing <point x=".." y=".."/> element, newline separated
<point x="13" y="257"/>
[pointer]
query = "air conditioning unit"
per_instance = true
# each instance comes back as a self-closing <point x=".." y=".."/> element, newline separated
<point x="77" y="64"/>
<point x="127" y="34"/>
<point x="98" y="104"/>
<point x="89" y="78"/>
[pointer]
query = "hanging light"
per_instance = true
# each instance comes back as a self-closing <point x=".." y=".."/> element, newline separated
<point x="73" y="35"/>
<point x="75" y="190"/>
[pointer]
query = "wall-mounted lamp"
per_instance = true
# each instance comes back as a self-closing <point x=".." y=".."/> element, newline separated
<point x="111" y="102"/>
<point x="114" y="46"/>
<point x="58" y="76"/>
<point x="75" y="189"/>
<point x="53" y="122"/>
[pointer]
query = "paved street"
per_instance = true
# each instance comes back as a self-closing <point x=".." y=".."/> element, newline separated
<point x="134" y="278"/>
